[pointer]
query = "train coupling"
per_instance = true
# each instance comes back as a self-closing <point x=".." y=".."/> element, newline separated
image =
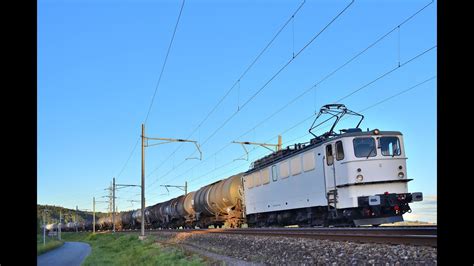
<point x="389" y="199"/>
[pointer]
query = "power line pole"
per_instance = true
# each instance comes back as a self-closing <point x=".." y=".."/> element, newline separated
<point x="164" y="141"/>
<point x="44" y="227"/>
<point x="59" y="225"/>
<point x="93" y="215"/>
<point x="142" y="235"/>
<point x="111" y="202"/>
<point x="75" y="219"/>
<point x="110" y="198"/>
<point x="113" y="205"/>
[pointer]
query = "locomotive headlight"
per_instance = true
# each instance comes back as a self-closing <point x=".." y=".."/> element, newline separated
<point x="360" y="178"/>
<point x="401" y="175"/>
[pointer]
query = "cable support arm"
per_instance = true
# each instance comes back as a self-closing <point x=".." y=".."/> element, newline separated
<point x="119" y="186"/>
<point x="169" y="140"/>
<point x="184" y="188"/>
<point x="246" y="152"/>
<point x="264" y="145"/>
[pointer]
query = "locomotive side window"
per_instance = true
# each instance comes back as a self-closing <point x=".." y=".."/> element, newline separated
<point x="256" y="179"/>
<point x="339" y="151"/>
<point x="249" y="180"/>
<point x="390" y="146"/>
<point x="329" y="155"/>
<point x="265" y="176"/>
<point x="284" y="169"/>
<point x="308" y="161"/>
<point x="274" y="173"/>
<point x="364" y="147"/>
<point x="295" y="165"/>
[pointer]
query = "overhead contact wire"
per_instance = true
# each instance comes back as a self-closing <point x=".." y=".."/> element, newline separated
<point x="164" y="63"/>
<point x="326" y="77"/>
<point x="235" y="83"/>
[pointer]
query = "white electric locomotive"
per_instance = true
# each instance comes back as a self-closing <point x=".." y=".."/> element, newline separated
<point x="347" y="178"/>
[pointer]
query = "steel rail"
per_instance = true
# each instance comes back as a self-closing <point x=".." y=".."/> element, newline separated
<point x="423" y="236"/>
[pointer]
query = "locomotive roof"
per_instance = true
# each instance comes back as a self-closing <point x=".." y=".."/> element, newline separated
<point x="300" y="148"/>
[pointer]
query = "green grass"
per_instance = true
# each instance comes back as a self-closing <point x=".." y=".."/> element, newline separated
<point x="51" y="243"/>
<point x="127" y="249"/>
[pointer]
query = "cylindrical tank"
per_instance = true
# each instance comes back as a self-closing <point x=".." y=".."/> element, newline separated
<point x="118" y="221"/>
<point x="70" y="225"/>
<point x="174" y="208"/>
<point x="127" y="219"/>
<point x="137" y="216"/>
<point x="180" y="207"/>
<point x="162" y="211"/>
<point x="167" y="208"/>
<point x="226" y="194"/>
<point x="50" y="227"/>
<point x="153" y="213"/>
<point x="200" y="200"/>
<point x="157" y="212"/>
<point x="100" y="222"/>
<point x="188" y="203"/>
<point x="218" y="197"/>
<point x="148" y="215"/>
<point x="108" y="221"/>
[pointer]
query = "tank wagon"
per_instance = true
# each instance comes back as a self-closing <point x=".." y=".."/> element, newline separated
<point x="220" y="203"/>
<point x="51" y="227"/>
<point x="217" y="204"/>
<point x="349" y="178"/>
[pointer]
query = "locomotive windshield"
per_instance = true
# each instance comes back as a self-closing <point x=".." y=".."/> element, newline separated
<point x="390" y="146"/>
<point x="364" y="147"/>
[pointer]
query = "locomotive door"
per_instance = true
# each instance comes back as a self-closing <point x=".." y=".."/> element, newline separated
<point x="329" y="170"/>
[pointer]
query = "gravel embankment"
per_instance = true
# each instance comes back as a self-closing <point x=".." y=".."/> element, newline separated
<point x="303" y="251"/>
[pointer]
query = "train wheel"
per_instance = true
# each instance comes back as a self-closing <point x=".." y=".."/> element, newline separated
<point x="326" y="223"/>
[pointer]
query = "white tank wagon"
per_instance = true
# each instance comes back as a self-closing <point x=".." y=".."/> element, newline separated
<point x="351" y="178"/>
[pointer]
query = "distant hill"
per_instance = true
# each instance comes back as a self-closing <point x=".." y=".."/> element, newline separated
<point x="52" y="214"/>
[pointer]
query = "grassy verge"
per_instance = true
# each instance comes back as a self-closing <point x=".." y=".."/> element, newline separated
<point x="127" y="249"/>
<point x="50" y="244"/>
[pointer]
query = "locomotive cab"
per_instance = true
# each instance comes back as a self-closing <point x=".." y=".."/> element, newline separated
<point x="369" y="176"/>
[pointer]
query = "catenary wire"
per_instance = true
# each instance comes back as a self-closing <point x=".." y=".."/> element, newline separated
<point x="271" y="79"/>
<point x="237" y="82"/>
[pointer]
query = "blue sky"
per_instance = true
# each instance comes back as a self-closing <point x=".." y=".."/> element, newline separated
<point x="99" y="62"/>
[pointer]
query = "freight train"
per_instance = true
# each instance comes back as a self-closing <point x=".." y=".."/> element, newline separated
<point x="350" y="178"/>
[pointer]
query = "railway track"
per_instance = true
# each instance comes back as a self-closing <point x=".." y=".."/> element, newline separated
<point x="421" y="236"/>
